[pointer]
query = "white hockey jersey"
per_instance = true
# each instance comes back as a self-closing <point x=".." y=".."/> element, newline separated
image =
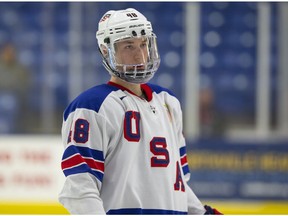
<point x="126" y="155"/>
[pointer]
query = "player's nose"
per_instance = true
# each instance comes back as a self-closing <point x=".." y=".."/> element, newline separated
<point x="139" y="55"/>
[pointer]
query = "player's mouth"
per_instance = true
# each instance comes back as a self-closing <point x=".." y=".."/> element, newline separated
<point x="140" y="67"/>
<point x="137" y="68"/>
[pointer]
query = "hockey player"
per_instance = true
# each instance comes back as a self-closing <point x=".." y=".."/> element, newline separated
<point x="124" y="148"/>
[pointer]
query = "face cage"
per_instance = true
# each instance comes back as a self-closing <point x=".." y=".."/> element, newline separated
<point x="130" y="72"/>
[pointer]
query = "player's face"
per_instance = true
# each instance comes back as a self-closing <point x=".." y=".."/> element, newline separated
<point x="132" y="52"/>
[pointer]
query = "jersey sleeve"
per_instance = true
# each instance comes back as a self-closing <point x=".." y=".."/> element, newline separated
<point x="86" y="135"/>
<point x="177" y="113"/>
<point x="195" y="206"/>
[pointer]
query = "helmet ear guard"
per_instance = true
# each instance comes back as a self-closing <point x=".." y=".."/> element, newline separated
<point x="116" y="26"/>
<point x="104" y="53"/>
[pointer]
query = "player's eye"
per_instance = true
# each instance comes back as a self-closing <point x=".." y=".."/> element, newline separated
<point x="143" y="45"/>
<point x="129" y="47"/>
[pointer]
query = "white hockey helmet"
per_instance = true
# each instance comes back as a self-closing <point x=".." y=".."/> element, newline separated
<point x="120" y="25"/>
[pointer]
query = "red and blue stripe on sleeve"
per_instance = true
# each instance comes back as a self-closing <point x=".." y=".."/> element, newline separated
<point x="183" y="160"/>
<point x="78" y="159"/>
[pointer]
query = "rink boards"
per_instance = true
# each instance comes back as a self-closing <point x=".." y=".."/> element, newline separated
<point x="31" y="176"/>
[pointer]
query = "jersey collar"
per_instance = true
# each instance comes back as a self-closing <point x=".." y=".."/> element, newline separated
<point x="145" y="88"/>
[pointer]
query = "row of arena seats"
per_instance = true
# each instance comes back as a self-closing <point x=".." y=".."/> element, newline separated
<point x="228" y="36"/>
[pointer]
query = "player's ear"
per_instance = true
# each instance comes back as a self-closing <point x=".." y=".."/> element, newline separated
<point x="104" y="50"/>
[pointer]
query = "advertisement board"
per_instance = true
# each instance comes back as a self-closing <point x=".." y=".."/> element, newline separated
<point x="30" y="174"/>
<point x="224" y="170"/>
